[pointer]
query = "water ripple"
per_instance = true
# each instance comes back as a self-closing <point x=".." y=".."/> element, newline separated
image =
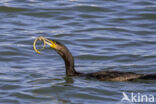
<point x="101" y="35"/>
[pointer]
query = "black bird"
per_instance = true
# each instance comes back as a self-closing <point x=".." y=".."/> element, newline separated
<point x="63" y="51"/>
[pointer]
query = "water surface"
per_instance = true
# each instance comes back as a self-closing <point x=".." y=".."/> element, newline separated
<point x="101" y="35"/>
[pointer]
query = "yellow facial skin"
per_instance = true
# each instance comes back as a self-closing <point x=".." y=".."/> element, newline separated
<point x="51" y="44"/>
<point x="45" y="41"/>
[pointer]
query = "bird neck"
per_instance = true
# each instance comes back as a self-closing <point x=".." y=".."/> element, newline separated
<point x="69" y="62"/>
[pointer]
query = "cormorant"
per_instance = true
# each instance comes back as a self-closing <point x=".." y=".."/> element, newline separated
<point x="63" y="51"/>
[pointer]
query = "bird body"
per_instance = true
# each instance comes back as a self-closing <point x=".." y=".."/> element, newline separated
<point x="64" y="52"/>
<point x="114" y="75"/>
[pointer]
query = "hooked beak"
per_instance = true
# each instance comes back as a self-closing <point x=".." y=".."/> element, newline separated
<point x="51" y="43"/>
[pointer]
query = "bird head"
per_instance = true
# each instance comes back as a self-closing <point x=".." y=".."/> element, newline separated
<point x="57" y="46"/>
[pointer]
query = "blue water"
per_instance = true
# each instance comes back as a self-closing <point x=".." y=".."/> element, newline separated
<point x="102" y="35"/>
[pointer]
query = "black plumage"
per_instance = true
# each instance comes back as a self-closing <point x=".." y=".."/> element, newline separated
<point x="63" y="51"/>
